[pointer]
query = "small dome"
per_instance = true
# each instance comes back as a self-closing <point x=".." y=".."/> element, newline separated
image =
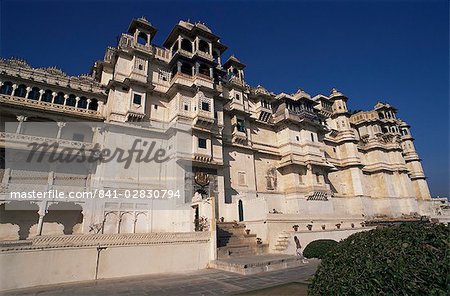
<point x="337" y="94"/>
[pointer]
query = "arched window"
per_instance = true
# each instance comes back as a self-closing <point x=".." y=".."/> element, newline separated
<point x="186" y="69"/>
<point x="47" y="96"/>
<point x="6" y="88"/>
<point x="34" y="94"/>
<point x="236" y="72"/>
<point x="71" y="101"/>
<point x="82" y="103"/>
<point x="59" y="99"/>
<point x="21" y="91"/>
<point x="381" y="115"/>
<point x="142" y="38"/>
<point x="93" y="105"/>
<point x="203" y="46"/>
<point x="186" y="45"/>
<point x="203" y="69"/>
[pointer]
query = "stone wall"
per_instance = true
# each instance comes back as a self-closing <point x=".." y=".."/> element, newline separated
<point x="61" y="259"/>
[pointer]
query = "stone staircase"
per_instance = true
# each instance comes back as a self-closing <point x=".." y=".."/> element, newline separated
<point x="282" y="242"/>
<point x="233" y="241"/>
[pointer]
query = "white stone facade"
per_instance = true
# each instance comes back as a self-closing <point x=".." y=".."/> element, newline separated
<point x="284" y="158"/>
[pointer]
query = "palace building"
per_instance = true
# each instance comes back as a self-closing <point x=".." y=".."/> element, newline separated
<point x="247" y="154"/>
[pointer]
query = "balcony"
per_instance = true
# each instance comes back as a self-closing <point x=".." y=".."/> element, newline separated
<point x="203" y="80"/>
<point x="235" y="105"/>
<point x="239" y="137"/>
<point x="138" y="76"/>
<point x="263" y="113"/>
<point x="204" y="119"/>
<point x="127" y="43"/>
<point x="204" y="55"/>
<point x="182" y="79"/>
<point x="47" y="106"/>
<point x="22" y="139"/>
<point x="297" y="116"/>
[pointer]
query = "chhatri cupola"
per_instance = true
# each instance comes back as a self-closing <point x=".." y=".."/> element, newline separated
<point x="142" y="31"/>
<point x="234" y="67"/>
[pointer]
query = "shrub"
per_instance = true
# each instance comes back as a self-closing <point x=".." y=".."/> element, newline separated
<point x="410" y="259"/>
<point x="319" y="248"/>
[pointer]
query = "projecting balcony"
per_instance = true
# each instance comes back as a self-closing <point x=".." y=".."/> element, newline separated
<point x="239" y="137"/>
<point x="297" y="116"/>
<point x="184" y="53"/>
<point x="204" y="55"/>
<point x="138" y="76"/>
<point x="235" y="105"/>
<point x="22" y="140"/>
<point x="128" y="43"/>
<point x="203" y="80"/>
<point x="204" y="119"/>
<point x="48" y="106"/>
<point x="182" y="79"/>
<point x="263" y="113"/>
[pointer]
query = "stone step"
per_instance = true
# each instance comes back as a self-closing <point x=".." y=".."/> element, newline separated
<point x="257" y="264"/>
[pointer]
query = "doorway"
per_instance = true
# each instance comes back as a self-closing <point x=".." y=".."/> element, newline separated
<point x="241" y="211"/>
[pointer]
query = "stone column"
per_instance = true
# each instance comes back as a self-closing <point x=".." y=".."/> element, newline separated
<point x="14" y="87"/>
<point x="28" y="92"/>
<point x="100" y="107"/>
<point x="76" y="101"/>
<point x="20" y="118"/>
<point x="53" y="97"/>
<point x="197" y="68"/>
<point x="88" y="103"/>
<point x="41" y="92"/>
<point x="42" y="211"/>
<point x="65" y="99"/>
<point x="60" y="126"/>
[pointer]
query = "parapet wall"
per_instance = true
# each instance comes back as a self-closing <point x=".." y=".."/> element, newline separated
<point x="61" y="259"/>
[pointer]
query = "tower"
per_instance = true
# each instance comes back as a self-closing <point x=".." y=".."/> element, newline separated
<point x="413" y="163"/>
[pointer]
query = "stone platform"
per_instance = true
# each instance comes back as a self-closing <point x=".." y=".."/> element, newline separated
<point x="254" y="264"/>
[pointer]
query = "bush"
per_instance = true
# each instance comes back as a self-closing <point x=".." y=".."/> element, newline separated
<point x="319" y="248"/>
<point x="410" y="259"/>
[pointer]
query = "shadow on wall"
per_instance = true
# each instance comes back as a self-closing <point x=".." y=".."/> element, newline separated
<point x="24" y="218"/>
<point x="19" y="220"/>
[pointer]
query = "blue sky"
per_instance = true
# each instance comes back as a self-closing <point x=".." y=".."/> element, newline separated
<point x="392" y="51"/>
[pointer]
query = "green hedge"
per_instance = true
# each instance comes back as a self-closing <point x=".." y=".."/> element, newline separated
<point x="319" y="248"/>
<point x="410" y="259"/>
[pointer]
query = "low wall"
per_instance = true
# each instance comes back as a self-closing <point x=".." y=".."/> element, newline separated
<point x="306" y="237"/>
<point x="62" y="259"/>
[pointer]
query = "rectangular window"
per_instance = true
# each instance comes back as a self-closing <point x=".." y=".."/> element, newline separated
<point x="201" y="143"/>
<point x="156" y="107"/>
<point x="238" y="97"/>
<point x="137" y="99"/>
<point x="205" y="106"/>
<point x="242" y="179"/>
<point x="241" y="125"/>
<point x="186" y="108"/>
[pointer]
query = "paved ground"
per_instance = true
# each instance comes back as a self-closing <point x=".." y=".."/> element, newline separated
<point x="203" y="282"/>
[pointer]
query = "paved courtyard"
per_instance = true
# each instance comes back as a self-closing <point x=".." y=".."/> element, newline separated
<point x="203" y="282"/>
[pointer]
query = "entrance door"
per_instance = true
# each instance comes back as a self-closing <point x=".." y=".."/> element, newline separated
<point x="197" y="219"/>
<point x="241" y="211"/>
